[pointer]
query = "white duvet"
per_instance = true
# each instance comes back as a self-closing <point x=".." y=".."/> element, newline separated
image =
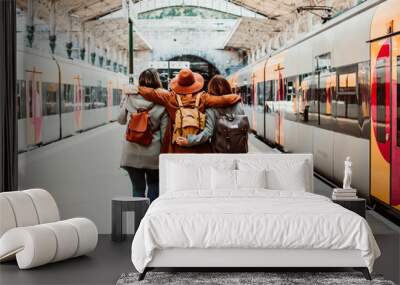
<point x="253" y="218"/>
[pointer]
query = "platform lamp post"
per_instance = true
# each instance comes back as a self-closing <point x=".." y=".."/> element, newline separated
<point x="130" y="45"/>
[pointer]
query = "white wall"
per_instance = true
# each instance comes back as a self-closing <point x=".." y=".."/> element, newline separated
<point x="81" y="172"/>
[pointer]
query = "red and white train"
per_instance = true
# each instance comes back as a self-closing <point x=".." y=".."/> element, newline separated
<point x="336" y="93"/>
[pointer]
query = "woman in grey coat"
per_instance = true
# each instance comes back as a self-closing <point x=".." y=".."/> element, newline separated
<point x="141" y="162"/>
<point x="217" y="86"/>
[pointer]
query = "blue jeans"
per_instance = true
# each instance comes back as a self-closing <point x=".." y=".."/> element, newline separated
<point x="141" y="178"/>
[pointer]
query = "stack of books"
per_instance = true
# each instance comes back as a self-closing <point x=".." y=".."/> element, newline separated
<point x="344" y="194"/>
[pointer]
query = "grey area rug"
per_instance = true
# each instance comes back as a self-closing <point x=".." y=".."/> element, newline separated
<point x="243" y="278"/>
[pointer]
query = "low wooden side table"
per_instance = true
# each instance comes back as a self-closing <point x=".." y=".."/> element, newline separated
<point x="119" y="205"/>
<point x="357" y="205"/>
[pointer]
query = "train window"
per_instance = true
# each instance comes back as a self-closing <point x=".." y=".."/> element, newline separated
<point x="93" y="92"/>
<point x="87" y="98"/>
<point x="269" y="95"/>
<point x="21" y="99"/>
<point x="347" y="82"/>
<point x="68" y="98"/>
<point x="98" y="96"/>
<point x="290" y="104"/>
<point x="249" y="96"/>
<point x="104" y="98"/>
<point x="269" y="91"/>
<point x="381" y="68"/>
<point x="398" y="101"/>
<point x="289" y="90"/>
<point x="309" y="95"/>
<point x="325" y="87"/>
<point x="260" y="93"/>
<point x="323" y="62"/>
<point x="364" y="98"/>
<point x="243" y="94"/>
<point x="303" y="85"/>
<point x="321" y="93"/>
<point x="346" y="103"/>
<point x="49" y="98"/>
<point x="117" y="94"/>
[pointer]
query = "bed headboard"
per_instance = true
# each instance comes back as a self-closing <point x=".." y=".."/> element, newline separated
<point x="205" y="160"/>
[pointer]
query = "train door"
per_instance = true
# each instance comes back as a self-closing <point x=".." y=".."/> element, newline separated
<point x="395" y="173"/>
<point x="380" y="128"/>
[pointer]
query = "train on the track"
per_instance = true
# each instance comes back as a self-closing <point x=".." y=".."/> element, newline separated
<point x="58" y="97"/>
<point x="336" y="93"/>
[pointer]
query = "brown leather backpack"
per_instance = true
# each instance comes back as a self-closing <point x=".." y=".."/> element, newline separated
<point x="231" y="133"/>
<point x="188" y="121"/>
<point x="139" y="128"/>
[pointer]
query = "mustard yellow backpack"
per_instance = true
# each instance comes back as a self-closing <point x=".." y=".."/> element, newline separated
<point x="188" y="121"/>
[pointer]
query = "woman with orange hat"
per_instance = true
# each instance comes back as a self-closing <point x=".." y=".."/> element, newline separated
<point x="186" y="94"/>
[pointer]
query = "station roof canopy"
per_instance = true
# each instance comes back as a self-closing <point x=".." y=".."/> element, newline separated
<point x="283" y="16"/>
<point x="93" y="14"/>
<point x="247" y="30"/>
<point x="258" y="19"/>
<point x="116" y="30"/>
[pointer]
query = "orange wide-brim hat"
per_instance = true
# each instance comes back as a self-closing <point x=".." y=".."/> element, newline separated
<point x="187" y="82"/>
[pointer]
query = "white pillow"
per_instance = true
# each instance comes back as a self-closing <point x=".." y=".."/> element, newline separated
<point x="282" y="174"/>
<point x="226" y="179"/>
<point x="291" y="179"/>
<point x="251" y="179"/>
<point x="223" y="179"/>
<point x="183" y="177"/>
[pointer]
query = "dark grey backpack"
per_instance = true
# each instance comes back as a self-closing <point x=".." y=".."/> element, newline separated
<point x="231" y="133"/>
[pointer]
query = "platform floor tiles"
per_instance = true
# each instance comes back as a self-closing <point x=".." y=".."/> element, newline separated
<point x="110" y="260"/>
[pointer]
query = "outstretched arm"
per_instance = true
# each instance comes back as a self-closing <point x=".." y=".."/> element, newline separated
<point x="158" y="96"/>
<point x="221" y="101"/>
<point x="207" y="133"/>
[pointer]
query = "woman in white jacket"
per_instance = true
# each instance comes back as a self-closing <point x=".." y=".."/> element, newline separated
<point x="141" y="162"/>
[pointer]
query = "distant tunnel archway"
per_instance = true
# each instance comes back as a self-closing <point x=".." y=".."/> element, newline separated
<point x="197" y="64"/>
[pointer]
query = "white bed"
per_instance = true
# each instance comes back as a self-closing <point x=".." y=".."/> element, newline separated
<point x="215" y="211"/>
